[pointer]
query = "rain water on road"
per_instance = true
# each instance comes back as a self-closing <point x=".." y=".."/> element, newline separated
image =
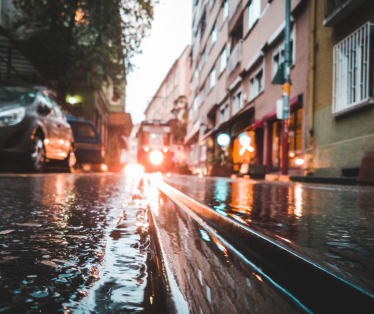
<point x="72" y="243"/>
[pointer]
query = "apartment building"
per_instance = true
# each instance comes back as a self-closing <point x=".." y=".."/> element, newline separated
<point x="237" y="48"/>
<point x="340" y="106"/>
<point x="171" y="98"/>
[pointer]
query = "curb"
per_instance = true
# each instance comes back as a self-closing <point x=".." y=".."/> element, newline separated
<point x="315" y="287"/>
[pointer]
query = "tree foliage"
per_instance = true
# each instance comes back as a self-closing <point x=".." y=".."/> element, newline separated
<point x="178" y="130"/>
<point x="86" y="42"/>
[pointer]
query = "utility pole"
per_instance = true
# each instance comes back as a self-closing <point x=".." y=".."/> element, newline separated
<point x="286" y="89"/>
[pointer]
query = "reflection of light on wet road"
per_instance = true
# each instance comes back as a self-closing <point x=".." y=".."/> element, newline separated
<point x="205" y="235"/>
<point x="238" y="218"/>
<point x="299" y="200"/>
<point x="134" y="173"/>
<point x="221" y="190"/>
<point x="151" y="192"/>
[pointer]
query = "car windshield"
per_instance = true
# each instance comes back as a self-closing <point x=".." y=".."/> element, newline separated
<point x="20" y="95"/>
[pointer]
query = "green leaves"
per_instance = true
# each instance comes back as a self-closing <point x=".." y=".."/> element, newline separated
<point x="81" y="42"/>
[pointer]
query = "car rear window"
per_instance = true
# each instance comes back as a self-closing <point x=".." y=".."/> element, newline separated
<point x="83" y="130"/>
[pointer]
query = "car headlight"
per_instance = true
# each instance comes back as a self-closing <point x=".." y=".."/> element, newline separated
<point x="12" y="116"/>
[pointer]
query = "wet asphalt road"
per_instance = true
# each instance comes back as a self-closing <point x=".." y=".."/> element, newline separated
<point x="73" y="243"/>
<point x="85" y="243"/>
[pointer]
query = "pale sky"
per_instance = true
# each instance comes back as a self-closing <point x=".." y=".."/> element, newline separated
<point x="170" y="34"/>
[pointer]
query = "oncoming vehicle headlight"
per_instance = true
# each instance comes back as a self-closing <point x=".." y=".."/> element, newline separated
<point x="156" y="157"/>
<point x="12" y="116"/>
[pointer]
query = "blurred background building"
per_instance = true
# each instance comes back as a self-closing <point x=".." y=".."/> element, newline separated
<point x="169" y="104"/>
<point x="236" y="50"/>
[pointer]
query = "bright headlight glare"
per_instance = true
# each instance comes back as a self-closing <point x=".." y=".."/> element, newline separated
<point x="12" y="117"/>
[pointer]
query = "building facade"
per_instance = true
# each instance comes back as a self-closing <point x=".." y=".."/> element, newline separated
<point x="107" y="110"/>
<point x="237" y="48"/>
<point x="340" y="106"/>
<point x="171" y="98"/>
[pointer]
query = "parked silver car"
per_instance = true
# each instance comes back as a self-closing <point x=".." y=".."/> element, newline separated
<point x="32" y="126"/>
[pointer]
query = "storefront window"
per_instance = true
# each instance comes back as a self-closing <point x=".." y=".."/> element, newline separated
<point x="244" y="153"/>
<point x="294" y="140"/>
<point x="295" y="134"/>
<point x="276" y="145"/>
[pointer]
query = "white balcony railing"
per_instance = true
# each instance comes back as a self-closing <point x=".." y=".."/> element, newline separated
<point x="233" y="6"/>
<point x="235" y="57"/>
<point x="352" y="70"/>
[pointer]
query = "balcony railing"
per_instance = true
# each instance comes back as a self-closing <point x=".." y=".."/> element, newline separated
<point x="235" y="58"/>
<point x="233" y="6"/>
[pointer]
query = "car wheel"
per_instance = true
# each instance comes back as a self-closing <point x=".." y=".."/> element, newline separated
<point x="37" y="154"/>
<point x="70" y="161"/>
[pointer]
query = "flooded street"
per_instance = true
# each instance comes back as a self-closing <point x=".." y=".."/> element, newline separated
<point x="336" y="223"/>
<point x="71" y="243"/>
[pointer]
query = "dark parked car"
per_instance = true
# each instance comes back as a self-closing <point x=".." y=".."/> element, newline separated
<point x="89" y="149"/>
<point x="33" y="127"/>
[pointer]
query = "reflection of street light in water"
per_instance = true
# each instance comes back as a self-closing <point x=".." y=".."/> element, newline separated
<point x="298" y="200"/>
<point x="245" y="141"/>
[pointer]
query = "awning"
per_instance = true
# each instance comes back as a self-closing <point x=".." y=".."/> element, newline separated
<point x="295" y="103"/>
<point x="229" y="122"/>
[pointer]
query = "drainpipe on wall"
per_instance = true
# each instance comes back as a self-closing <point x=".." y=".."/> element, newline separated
<point x="310" y="136"/>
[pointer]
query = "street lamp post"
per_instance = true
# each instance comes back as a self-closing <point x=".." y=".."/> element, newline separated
<point x="286" y="89"/>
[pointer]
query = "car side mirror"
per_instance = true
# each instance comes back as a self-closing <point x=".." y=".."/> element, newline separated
<point x="44" y="110"/>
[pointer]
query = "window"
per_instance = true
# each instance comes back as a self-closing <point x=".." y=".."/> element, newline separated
<point x="223" y="62"/>
<point x="191" y="85"/>
<point x="196" y="74"/>
<point x="294" y="140"/>
<point x="202" y="95"/>
<point x="176" y="71"/>
<point x="225" y="11"/>
<point x="352" y="70"/>
<point x="212" y="78"/>
<point x="200" y="277"/>
<point x="256" y="84"/>
<point x="176" y="92"/>
<point x="196" y="103"/>
<point x="190" y="114"/>
<point x="213" y="35"/>
<point x="211" y="3"/>
<point x="203" y="58"/>
<point x="237" y="103"/>
<point x="208" y="294"/>
<point x="223" y="113"/>
<point x="278" y="54"/>
<point x="254" y="12"/>
<point x="203" y="153"/>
